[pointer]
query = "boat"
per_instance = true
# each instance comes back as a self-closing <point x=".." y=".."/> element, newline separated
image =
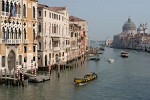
<point x="88" y="77"/>
<point x="110" y="60"/>
<point x="95" y="58"/>
<point x="124" y="54"/>
<point x="101" y="48"/>
<point x="100" y="52"/>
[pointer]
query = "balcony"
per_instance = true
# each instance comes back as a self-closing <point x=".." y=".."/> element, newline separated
<point x="11" y="41"/>
<point x="68" y="46"/>
<point x="56" y="48"/>
<point x="35" y="42"/>
<point x="26" y="41"/>
<point x="7" y="14"/>
<point x="55" y="35"/>
<point x="74" y="48"/>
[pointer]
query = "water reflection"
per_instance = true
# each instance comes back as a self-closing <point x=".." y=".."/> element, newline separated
<point x="125" y="79"/>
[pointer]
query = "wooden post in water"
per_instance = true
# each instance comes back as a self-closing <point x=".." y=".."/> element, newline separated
<point x="5" y="77"/>
<point x="58" y="70"/>
<point x="49" y="70"/>
<point x="16" y="70"/>
<point x="31" y="67"/>
<point x="14" y="77"/>
<point x="22" y="76"/>
<point x="35" y="71"/>
<point x="0" y="75"/>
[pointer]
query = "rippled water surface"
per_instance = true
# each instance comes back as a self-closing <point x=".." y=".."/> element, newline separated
<point x="125" y="79"/>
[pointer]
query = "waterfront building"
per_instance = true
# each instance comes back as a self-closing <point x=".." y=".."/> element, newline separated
<point x="53" y="35"/>
<point x="78" y="31"/>
<point x="128" y="31"/>
<point x="17" y="35"/>
<point x="75" y="41"/>
<point x="130" y="38"/>
<point x="108" y="42"/>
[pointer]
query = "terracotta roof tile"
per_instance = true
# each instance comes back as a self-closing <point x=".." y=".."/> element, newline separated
<point x="75" y="19"/>
<point x="57" y="8"/>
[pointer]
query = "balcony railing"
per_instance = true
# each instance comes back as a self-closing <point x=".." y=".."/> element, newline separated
<point x="56" y="48"/>
<point x="11" y="41"/>
<point x="26" y="41"/>
<point x="7" y="14"/>
<point x="55" y="35"/>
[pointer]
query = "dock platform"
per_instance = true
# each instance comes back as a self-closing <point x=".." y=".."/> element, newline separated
<point x="38" y="79"/>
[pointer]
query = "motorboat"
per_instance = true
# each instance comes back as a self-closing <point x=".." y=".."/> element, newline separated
<point x="110" y="60"/>
<point x="124" y="54"/>
<point x="95" y="58"/>
<point x="88" y="77"/>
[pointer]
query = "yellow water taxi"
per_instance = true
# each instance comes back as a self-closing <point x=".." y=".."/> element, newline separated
<point x="88" y="77"/>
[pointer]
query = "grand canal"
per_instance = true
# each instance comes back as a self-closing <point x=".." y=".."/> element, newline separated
<point x="125" y="79"/>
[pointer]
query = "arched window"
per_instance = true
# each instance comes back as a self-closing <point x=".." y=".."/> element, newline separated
<point x="33" y="34"/>
<point x="7" y="33"/>
<point x="16" y="8"/>
<point x="3" y="5"/>
<point x="40" y="46"/>
<point x="3" y="33"/>
<point x="50" y="29"/>
<point x="7" y="6"/>
<point x="19" y="8"/>
<point x="12" y="33"/>
<point x="15" y="33"/>
<point x="25" y="34"/>
<point x="24" y="10"/>
<point x="55" y="29"/>
<point x="11" y="7"/>
<point x="20" y="59"/>
<point x="33" y="12"/>
<point x="39" y="27"/>
<point x="19" y="33"/>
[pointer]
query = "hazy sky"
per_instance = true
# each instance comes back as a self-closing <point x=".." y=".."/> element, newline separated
<point x="106" y="17"/>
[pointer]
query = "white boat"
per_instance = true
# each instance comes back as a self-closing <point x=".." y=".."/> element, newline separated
<point x="111" y="60"/>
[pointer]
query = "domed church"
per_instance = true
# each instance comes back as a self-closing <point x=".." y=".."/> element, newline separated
<point x="129" y="27"/>
<point x="142" y="29"/>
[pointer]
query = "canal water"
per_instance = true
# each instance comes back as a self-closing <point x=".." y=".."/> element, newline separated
<point x="124" y="79"/>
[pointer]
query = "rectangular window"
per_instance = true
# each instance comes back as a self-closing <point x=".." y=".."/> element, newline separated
<point x="25" y="49"/>
<point x="71" y="34"/>
<point x="3" y="61"/>
<point x="49" y="15"/>
<point x="34" y="49"/>
<point x="45" y="13"/>
<point x="39" y="13"/>
<point x="59" y="17"/>
<point x="20" y="59"/>
<point x="50" y="55"/>
<point x="34" y="58"/>
<point x="53" y="55"/>
<point x="59" y="54"/>
<point x="25" y="59"/>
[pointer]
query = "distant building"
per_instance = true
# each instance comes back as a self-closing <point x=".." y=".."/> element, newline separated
<point x="130" y="38"/>
<point x="108" y="42"/>
<point x="81" y="32"/>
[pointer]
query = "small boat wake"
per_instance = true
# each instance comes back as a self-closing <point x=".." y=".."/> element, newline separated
<point x="81" y="84"/>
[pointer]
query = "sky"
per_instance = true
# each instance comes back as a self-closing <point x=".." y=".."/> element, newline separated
<point x="106" y="17"/>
